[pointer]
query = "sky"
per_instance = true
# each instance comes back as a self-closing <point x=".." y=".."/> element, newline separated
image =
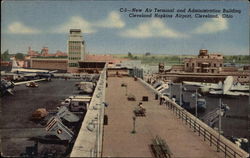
<point x="108" y="29"/>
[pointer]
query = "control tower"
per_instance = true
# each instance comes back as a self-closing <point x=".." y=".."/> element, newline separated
<point x="76" y="48"/>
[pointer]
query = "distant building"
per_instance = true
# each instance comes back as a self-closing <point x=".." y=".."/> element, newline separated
<point x="206" y="68"/>
<point x="76" y="49"/>
<point x="204" y="63"/>
<point x="161" y="67"/>
<point x="45" y="53"/>
<point x="5" y="65"/>
<point x="60" y="54"/>
<point x="49" y="64"/>
<point x="32" y="53"/>
<point x="177" y="68"/>
<point x="94" y="63"/>
<point x="90" y="67"/>
<point x="246" y="68"/>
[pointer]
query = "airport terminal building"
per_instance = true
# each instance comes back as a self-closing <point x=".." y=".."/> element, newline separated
<point x="204" y="62"/>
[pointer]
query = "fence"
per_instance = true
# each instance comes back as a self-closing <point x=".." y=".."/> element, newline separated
<point x="209" y="134"/>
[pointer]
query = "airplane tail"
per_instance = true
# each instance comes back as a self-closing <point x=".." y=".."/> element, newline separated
<point x="228" y="82"/>
<point x="14" y="65"/>
<point x="220" y="85"/>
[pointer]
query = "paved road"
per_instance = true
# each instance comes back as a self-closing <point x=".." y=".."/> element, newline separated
<point x="120" y="142"/>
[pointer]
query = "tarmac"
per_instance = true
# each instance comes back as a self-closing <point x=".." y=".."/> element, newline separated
<point x="118" y="141"/>
<point x="235" y="121"/>
<point x="16" y="126"/>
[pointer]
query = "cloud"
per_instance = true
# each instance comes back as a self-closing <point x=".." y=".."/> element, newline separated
<point x="75" y="22"/>
<point x="152" y="28"/>
<point x="112" y="21"/>
<point x="212" y="26"/>
<point x="19" y="28"/>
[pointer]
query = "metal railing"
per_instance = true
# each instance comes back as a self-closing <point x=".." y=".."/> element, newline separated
<point x="222" y="144"/>
<point x="207" y="133"/>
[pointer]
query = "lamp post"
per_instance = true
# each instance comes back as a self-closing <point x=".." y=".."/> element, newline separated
<point x="180" y="94"/>
<point x="170" y="88"/>
<point x="126" y="90"/>
<point x="196" y="104"/>
<point x="133" y="131"/>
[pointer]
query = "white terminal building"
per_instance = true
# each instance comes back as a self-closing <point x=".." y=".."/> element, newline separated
<point x="76" y="48"/>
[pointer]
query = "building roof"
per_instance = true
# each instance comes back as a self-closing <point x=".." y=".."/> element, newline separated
<point x="75" y="30"/>
<point x="50" y="59"/>
<point x="102" y="58"/>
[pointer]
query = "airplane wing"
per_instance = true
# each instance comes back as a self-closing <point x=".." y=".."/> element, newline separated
<point x="216" y="92"/>
<point x="20" y="83"/>
<point x="240" y="87"/>
<point x="22" y="70"/>
<point x="53" y="71"/>
<point x="29" y="74"/>
<point x="230" y="93"/>
<point x="10" y="91"/>
<point x="202" y="84"/>
<point x="237" y="93"/>
<point x="192" y="83"/>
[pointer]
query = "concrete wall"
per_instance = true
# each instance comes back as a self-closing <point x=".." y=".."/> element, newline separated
<point x="89" y="140"/>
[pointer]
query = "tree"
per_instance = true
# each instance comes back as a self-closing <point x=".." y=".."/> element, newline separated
<point x="5" y="56"/>
<point x="19" y="56"/>
<point x="135" y="57"/>
<point x="130" y="55"/>
<point x="147" y="54"/>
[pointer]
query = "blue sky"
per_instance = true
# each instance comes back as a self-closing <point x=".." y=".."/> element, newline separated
<point x="106" y="30"/>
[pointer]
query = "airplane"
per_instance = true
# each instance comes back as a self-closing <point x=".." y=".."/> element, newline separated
<point x="230" y="89"/>
<point x="8" y="86"/>
<point x="226" y="88"/>
<point x="31" y="72"/>
<point x="206" y="85"/>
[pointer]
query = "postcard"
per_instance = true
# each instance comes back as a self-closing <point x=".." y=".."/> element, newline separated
<point x="126" y="78"/>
